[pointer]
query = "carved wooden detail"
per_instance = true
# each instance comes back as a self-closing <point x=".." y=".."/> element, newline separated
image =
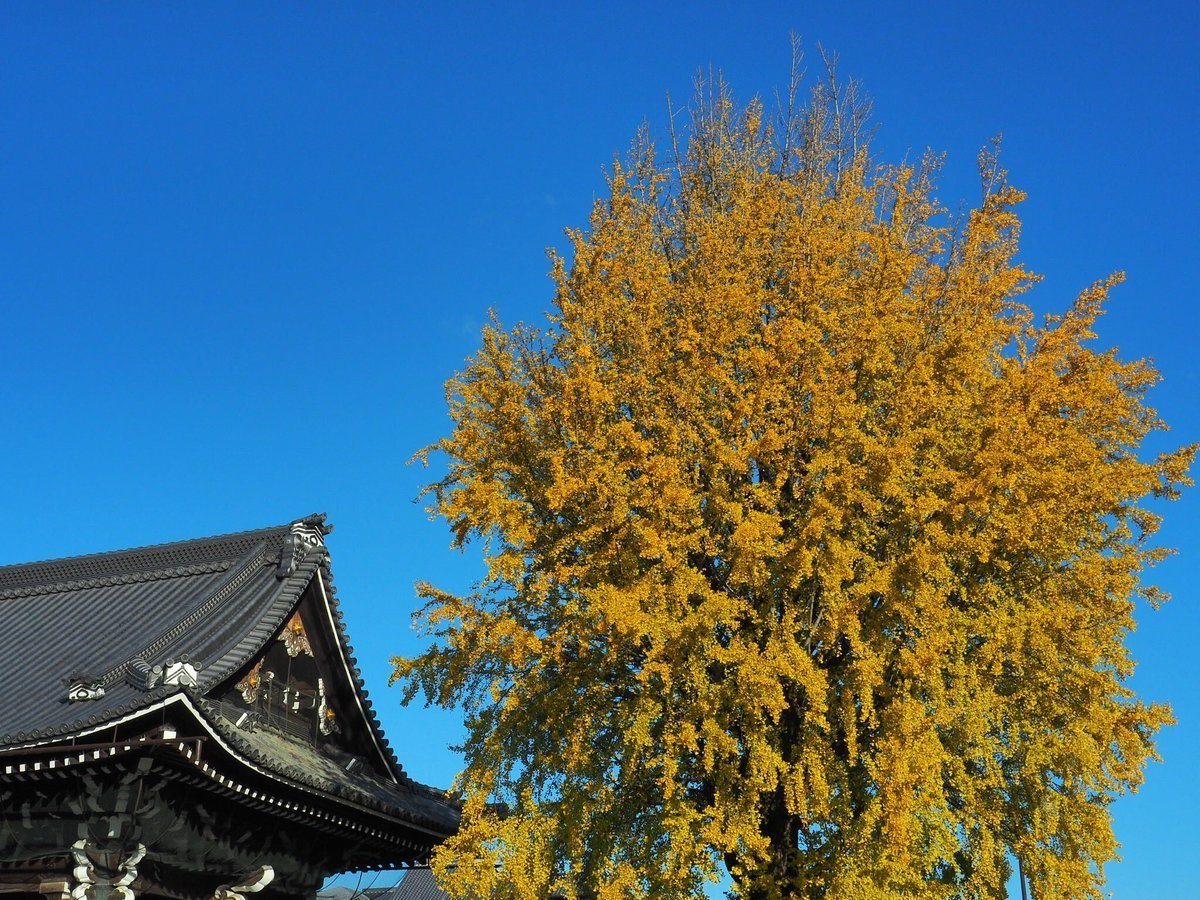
<point x="285" y="689"/>
<point x="98" y="867"/>
<point x="248" y="686"/>
<point x="250" y="883"/>
<point x="295" y="638"/>
<point x="327" y="721"/>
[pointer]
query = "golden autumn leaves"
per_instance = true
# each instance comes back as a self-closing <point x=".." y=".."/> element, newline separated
<point x="809" y="553"/>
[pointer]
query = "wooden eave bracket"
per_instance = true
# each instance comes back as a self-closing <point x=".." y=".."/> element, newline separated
<point x="249" y="883"/>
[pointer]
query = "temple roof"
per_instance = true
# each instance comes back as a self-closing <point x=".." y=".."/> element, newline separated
<point x="215" y="600"/>
<point x="79" y="636"/>
<point x="415" y="884"/>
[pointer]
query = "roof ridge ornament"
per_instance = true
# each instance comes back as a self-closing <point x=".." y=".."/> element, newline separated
<point x="143" y="675"/>
<point x="82" y="687"/>
<point x="182" y="672"/>
<point x="305" y="536"/>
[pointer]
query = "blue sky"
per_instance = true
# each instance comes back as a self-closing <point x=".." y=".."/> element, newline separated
<point x="242" y="246"/>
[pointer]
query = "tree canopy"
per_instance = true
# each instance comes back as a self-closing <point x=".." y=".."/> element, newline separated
<point x="810" y="552"/>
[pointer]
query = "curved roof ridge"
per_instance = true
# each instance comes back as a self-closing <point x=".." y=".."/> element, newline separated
<point x="58" y="587"/>
<point x="125" y="561"/>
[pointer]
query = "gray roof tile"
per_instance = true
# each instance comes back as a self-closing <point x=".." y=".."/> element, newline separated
<point x="217" y="601"/>
<point x="414" y="884"/>
<point x="91" y="615"/>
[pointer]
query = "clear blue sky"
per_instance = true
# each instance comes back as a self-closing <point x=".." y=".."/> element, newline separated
<point x="242" y="246"/>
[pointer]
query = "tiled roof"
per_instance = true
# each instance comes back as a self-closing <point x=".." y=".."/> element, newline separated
<point x="92" y="615"/>
<point x="424" y="806"/>
<point x="415" y="884"/>
<point x="215" y="602"/>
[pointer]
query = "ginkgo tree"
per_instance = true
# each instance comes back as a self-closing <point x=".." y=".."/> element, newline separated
<point x="810" y="552"/>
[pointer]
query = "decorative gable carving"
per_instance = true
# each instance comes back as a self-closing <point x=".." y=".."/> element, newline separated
<point x="286" y="689"/>
<point x="295" y="638"/>
<point x="248" y="686"/>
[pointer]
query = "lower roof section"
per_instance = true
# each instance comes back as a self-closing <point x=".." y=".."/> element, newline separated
<point x="269" y="768"/>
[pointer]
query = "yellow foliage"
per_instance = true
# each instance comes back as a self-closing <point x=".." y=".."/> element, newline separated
<point x="810" y="553"/>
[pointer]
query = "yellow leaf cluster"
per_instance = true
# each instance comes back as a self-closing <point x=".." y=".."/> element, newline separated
<point x="810" y="554"/>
